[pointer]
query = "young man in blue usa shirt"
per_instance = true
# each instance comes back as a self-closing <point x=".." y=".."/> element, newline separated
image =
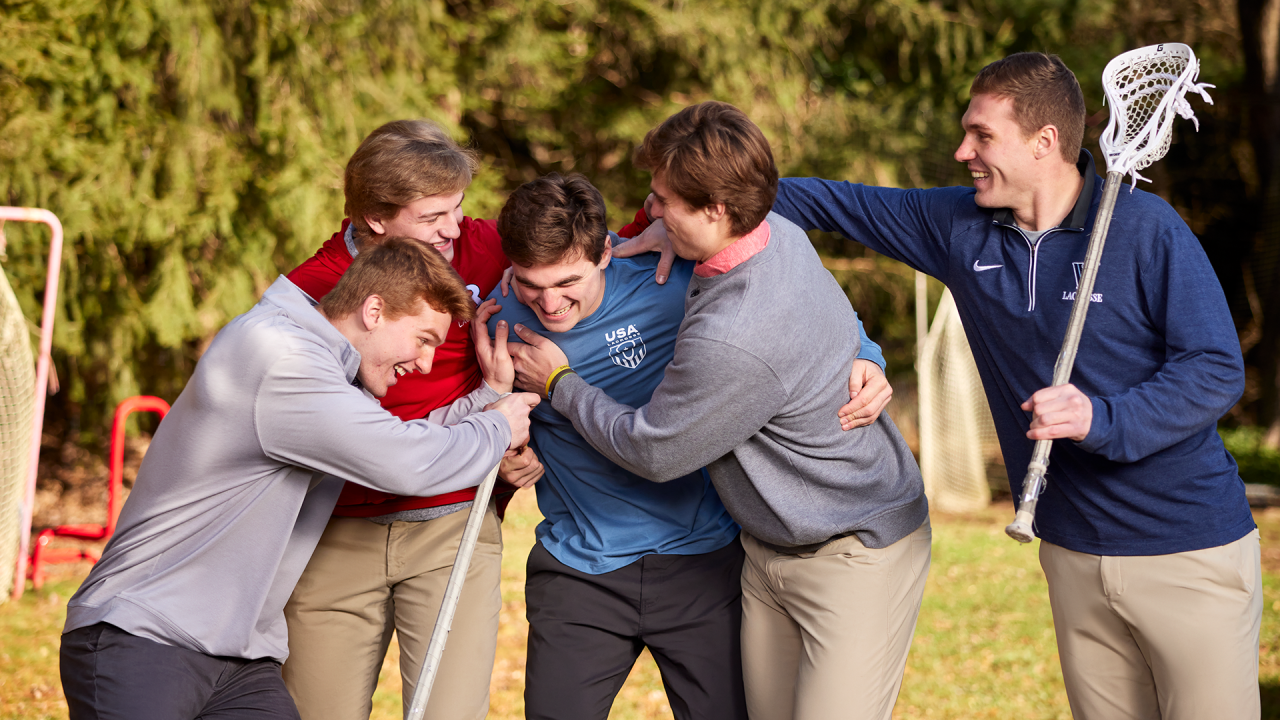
<point x="620" y="563"/>
<point x="1148" y="544"/>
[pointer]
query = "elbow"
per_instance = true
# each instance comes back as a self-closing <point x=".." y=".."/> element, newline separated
<point x="667" y="474"/>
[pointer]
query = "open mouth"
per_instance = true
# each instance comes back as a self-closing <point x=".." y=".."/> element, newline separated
<point x="558" y="314"/>
<point x="979" y="175"/>
<point x="401" y="372"/>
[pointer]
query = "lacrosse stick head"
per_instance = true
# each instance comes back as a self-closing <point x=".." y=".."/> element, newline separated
<point x="1145" y="89"/>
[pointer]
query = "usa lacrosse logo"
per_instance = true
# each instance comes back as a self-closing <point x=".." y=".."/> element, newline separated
<point x="626" y="347"/>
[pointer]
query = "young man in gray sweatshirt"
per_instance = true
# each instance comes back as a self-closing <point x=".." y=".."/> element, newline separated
<point x="835" y="523"/>
<point x="183" y="615"/>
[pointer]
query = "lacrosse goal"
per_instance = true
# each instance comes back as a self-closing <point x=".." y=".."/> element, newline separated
<point x="22" y="394"/>
<point x="17" y="407"/>
<point x="957" y="437"/>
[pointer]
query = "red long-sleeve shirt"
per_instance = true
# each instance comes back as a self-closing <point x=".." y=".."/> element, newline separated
<point x="478" y="258"/>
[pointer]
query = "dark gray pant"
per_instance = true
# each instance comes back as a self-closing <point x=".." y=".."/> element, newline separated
<point x="109" y="674"/>
<point x="586" y="631"/>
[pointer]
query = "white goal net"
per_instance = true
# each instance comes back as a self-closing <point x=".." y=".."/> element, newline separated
<point x="17" y="406"/>
<point x="957" y="437"/>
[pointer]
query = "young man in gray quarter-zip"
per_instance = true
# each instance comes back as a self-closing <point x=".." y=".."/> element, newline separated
<point x="183" y="616"/>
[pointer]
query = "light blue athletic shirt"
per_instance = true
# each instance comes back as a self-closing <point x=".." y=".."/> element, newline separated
<point x="600" y="517"/>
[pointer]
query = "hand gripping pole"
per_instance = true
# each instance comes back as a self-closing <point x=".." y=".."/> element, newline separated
<point x="1034" y="483"/>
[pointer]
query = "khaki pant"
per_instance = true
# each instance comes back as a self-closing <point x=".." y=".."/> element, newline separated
<point x="825" y="634"/>
<point x="1171" y="637"/>
<point x="365" y="580"/>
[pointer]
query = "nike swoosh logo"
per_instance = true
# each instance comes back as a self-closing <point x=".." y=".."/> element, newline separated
<point x="980" y="268"/>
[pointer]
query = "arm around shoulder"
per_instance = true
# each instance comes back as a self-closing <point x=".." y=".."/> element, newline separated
<point x="913" y="226"/>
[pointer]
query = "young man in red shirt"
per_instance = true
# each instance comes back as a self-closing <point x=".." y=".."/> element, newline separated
<point x="384" y="560"/>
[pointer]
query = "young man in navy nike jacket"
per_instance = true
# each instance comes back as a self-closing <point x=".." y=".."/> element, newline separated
<point x="1148" y="544"/>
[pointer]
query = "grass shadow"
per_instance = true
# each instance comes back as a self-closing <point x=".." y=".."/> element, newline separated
<point x="1270" y="692"/>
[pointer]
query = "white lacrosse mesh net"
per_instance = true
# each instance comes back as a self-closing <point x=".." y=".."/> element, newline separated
<point x="1145" y="88"/>
<point x="17" y="408"/>
<point x="957" y="435"/>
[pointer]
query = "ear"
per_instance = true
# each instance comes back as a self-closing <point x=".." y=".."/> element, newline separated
<point x="715" y="212"/>
<point x="607" y="254"/>
<point x="375" y="224"/>
<point x="371" y="312"/>
<point x="1046" y="142"/>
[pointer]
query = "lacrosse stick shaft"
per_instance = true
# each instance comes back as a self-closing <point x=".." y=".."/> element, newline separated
<point x="444" y="621"/>
<point x="1034" y="482"/>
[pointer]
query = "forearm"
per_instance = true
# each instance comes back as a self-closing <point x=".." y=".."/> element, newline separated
<point x="472" y="402"/>
<point x="1179" y="401"/>
<point x="694" y="417"/>
<point x="867" y="348"/>
<point x="322" y="423"/>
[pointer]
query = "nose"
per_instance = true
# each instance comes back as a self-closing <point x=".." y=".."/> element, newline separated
<point x="657" y="210"/>
<point x="452" y="227"/>
<point x="549" y="299"/>
<point x="965" y="152"/>
<point x="423" y="363"/>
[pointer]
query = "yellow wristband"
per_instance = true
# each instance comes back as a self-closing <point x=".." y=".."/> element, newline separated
<point x="555" y="380"/>
<point x="551" y="378"/>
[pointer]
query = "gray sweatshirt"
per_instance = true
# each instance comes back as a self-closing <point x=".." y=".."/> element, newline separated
<point x="761" y="368"/>
<point x="244" y="472"/>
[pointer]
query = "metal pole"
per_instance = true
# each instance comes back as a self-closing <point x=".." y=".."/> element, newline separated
<point x="1034" y="482"/>
<point x="444" y="621"/>
<point x="42" y="378"/>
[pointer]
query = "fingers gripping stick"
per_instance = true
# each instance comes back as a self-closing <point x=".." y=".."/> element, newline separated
<point x="1146" y="88"/>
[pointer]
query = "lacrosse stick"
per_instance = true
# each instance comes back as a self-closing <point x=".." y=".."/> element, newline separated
<point x="1145" y="89"/>
<point x="452" y="591"/>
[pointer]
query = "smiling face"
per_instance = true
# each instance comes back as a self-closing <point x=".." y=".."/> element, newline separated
<point x="562" y="294"/>
<point x="1000" y="158"/>
<point x="696" y="233"/>
<point x="434" y="220"/>
<point x="392" y="348"/>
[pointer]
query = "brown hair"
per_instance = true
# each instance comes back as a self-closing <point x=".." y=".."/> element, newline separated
<point x="1044" y="92"/>
<point x="404" y="273"/>
<point x="553" y="218"/>
<point x="712" y="153"/>
<point x="400" y="162"/>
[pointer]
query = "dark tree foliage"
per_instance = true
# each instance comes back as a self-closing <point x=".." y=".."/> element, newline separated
<point x="194" y="149"/>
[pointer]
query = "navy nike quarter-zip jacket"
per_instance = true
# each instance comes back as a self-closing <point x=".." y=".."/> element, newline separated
<point x="1159" y="357"/>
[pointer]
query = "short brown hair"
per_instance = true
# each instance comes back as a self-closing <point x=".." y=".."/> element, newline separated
<point x="712" y="153"/>
<point x="400" y="162"/>
<point x="404" y="273"/>
<point x="553" y="218"/>
<point x="1044" y="92"/>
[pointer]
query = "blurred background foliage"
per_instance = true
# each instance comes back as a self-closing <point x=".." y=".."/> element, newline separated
<point x="194" y="148"/>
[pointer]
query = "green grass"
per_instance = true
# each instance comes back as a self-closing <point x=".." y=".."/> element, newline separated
<point x="29" y="633"/>
<point x="984" y="645"/>
<point x="1258" y="463"/>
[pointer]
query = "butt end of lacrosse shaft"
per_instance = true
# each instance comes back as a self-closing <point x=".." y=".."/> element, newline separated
<point x="1020" y="528"/>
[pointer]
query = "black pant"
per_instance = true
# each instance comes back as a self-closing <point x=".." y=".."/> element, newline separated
<point x="108" y="673"/>
<point x="586" y="631"/>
